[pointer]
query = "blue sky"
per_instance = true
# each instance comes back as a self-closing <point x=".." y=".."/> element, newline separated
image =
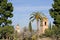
<point x="23" y="9"/>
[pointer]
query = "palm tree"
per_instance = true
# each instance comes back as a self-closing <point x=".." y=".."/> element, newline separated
<point x="36" y="16"/>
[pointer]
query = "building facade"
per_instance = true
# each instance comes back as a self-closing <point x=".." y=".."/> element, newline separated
<point x="17" y="28"/>
<point x="43" y="25"/>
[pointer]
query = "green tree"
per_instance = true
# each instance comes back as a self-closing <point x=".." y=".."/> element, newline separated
<point x="6" y="32"/>
<point x="52" y="33"/>
<point x="6" y="9"/>
<point x="55" y="12"/>
<point x="37" y="16"/>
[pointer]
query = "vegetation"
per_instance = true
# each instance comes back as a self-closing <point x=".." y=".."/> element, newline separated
<point x="52" y="33"/>
<point x="6" y="10"/>
<point x="6" y="29"/>
<point x="55" y="12"/>
<point x="37" y="16"/>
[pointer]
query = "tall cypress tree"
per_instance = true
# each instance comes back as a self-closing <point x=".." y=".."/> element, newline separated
<point x="6" y="10"/>
<point x="55" y="12"/>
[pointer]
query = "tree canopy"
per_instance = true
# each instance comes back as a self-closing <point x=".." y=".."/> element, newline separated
<point x="55" y="12"/>
<point x="6" y="10"/>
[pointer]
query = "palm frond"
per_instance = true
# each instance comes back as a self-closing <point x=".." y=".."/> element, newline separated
<point x="34" y="13"/>
<point x="37" y="16"/>
<point x="31" y="17"/>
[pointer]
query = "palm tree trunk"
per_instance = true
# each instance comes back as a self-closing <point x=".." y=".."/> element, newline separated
<point x="37" y="29"/>
<point x="37" y="25"/>
<point x="41" y="27"/>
